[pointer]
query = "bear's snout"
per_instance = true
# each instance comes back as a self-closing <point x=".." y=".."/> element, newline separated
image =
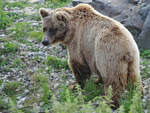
<point x="45" y="42"/>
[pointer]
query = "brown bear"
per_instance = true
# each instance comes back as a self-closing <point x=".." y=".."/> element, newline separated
<point x="95" y="43"/>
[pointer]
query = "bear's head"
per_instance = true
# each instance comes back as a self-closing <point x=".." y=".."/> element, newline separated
<point x="55" y="26"/>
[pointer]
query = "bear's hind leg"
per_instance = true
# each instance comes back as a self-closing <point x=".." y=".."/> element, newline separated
<point x="114" y="74"/>
<point x="117" y="87"/>
<point x="81" y="72"/>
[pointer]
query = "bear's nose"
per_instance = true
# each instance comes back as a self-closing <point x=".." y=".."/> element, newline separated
<point x="45" y="42"/>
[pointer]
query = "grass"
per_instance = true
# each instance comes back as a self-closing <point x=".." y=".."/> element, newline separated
<point x="145" y="71"/>
<point x="67" y="101"/>
<point x="20" y="31"/>
<point x="14" y="15"/>
<point x="78" y="104"/>
<point x="21" y="4"/>
<point x="3" y="104"/>
<point x="42" y="88"/>
<point x="4" y="20"/>
<point x="4" y="61"/>
<point x="36" y="35"/>
<point x="10" y="88"/>
<point x="9" y="47"/>
<point x="145" y="53"/>
<point x="56" y="62"/>
<point x="7" y="18"/>
<point x="126" y="99"/>
<point x="6" y="64"/>
<point x="53" y="4"/>
<point x="39" y="79"/>
<point x="92" y="90"/>
<point x="17" y="63"/>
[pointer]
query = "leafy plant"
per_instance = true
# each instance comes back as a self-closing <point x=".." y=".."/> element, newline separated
<point x="92" y="90"/>
<point x="136" y="108"/>
<point x="65" y="93"/>
<point x="46" y="93"/>
<point x="126" y="98"/>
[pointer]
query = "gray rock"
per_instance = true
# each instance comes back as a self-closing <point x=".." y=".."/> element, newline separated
<point x="132" y="21"/>
<point x="144" y="11"/>
<point x="2" y="35"/>
<point x="144" y="37"/>
<point x="134" y="1"/>
<point x="75" y="2"/>
<point x="36" y="1"/>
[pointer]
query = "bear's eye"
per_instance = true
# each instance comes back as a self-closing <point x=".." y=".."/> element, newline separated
<point x="44" y="29"/>
<point x="52" y="31"/>
<point x="62" y="25"/>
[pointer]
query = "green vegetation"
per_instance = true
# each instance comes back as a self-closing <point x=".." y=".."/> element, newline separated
<point x="4" y="20"/>
<point x="8" y="17"/>
<point x="20" y="31"/>
<point x="14" y="16"/>
<point x="4" y="61"/>
<point x="145" y="53"/>
<point x="54" y="3"/>
<point x="10" y="88"/>
<point x="9" y="47"/>
<point x="3" y="105"/>
<point x="36" y="35"/>
<point x="145" y="71"/>
<point x="17" y="63"/>
<point x="56" y="62"/>
<point x="73" y="102"/>
<point x="92" y="90"/>
<point x="19" y="4"/>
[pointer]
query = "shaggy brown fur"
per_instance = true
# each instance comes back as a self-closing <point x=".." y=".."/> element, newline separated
<point x="95" y="43"/>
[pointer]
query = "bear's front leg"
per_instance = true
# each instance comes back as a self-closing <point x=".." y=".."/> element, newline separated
<point x="81" y="72"/>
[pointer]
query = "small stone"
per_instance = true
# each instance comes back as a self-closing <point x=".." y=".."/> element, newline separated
<point x="6" y="100"/>
<point x="2" y="35"/>
<point x="36" y="1"/>
<point x="41" y="103"/>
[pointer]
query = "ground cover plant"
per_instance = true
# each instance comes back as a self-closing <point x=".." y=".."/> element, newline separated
<point x="35" y="79"/>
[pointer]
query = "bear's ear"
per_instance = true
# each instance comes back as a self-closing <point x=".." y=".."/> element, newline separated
<point x="43" y="12"/>
<point x="61" y="16"/>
